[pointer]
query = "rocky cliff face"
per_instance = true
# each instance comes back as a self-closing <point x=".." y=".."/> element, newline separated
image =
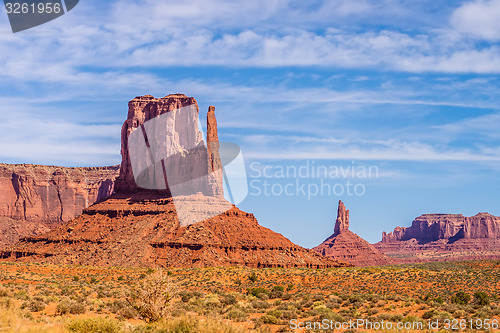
<point x="433" y="227"/>
<point x="444" y="237"/>
<point x="140" y="227"/>
<point x="51" y="194"/>
<point x="163" y="148"/>
<point x="344" y="245"/>
<point x="33" y="198"/>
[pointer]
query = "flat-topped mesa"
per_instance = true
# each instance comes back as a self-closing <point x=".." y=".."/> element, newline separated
<point x="441" y="237"/>
<point x="342" y="222"/>
<point x="433" y="227"/>
<point x="174" y="136"/>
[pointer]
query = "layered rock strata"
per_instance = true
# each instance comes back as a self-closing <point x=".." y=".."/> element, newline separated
<point x="34" y="198"/>
<point x="439" y="237"/>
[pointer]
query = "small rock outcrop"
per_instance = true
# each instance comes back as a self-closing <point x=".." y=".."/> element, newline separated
<point x="13" y="230"/>
<point x="439" y="237"/>
<point x="344" y="245"/>
<point x="342" y="222"/>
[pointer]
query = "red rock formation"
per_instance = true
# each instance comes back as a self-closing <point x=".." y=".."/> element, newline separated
<point x="214" y="161"/>
<point x="51" y="194"/>
<point x="342" y="222"/>
<point x="142" y="229"/>
<point x="436" y="237"/>
<point x="344" y="245"/>
<point x="176" y="137"/>
<point x="33" y="195"/>
<point x="137" y="227"/>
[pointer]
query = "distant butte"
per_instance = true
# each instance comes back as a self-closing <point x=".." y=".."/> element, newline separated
<point x="344" y="245"/>
<point x="442" y="237"/>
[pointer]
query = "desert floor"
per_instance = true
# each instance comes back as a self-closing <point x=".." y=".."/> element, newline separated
<point x="64" y="298"/>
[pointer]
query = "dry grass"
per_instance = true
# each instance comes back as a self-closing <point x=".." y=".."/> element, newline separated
<point x="51" y="298"/>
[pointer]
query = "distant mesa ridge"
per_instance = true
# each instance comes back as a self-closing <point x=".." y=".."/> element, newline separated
<point x="437" y="237"/>
<point x="433" y="227"/>
<point x="344" y="245"/>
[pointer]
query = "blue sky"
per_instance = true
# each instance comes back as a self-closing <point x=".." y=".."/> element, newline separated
<point x="408" y="87"/>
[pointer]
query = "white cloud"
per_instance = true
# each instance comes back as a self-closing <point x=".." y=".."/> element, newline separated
<point x="399" y="151"/>
<point x="34" y="137"/>
<point x="248" y="34"/>
<point x="479" y="18"/>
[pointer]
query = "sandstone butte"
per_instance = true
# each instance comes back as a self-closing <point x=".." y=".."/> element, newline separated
<point x="344" y="245"/>
<point x="135" y="227"/>
<point x="35" y="198"/>
<point x="440" y="237"/>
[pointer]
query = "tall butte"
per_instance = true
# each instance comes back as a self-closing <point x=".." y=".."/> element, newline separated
<point x="143" y="227"/>
<point x="344" y="245"/>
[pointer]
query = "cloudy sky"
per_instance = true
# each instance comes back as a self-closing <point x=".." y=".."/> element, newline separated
<point x="410" y="88"/>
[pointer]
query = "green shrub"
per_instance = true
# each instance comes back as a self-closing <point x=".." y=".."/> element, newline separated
<point x="236" y="314"/>
<point x="228" y="299"/>
<point x="4" y="292"/>
<point x="34" y="306"/>
<point x="276" y="292"/>
<point x="151" y="298"/>
<point x="439" y="300"/>
<point x="95" y="325"/>
<point x="128" y="312"/>
<point x="22" y="295"/>
<point x="460" y="298"/>
<point x="275" y="313"/>
<point x="481" y="298"/>
<point x="289" y="314"/>
<point x="259" y="304"/>
<point x="117" y="305"/>
<point x="186" y="296"/>
<point x="253" y="277"/>
<point x="269" y="319"/>
<point x="278" y="288"/>
<point x="429" y="314"/>
<point x="67" y="305"/>
<point x="257" y="291"/>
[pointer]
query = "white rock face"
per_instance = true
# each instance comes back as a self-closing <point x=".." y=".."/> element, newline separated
<point x="164" y="150"/>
